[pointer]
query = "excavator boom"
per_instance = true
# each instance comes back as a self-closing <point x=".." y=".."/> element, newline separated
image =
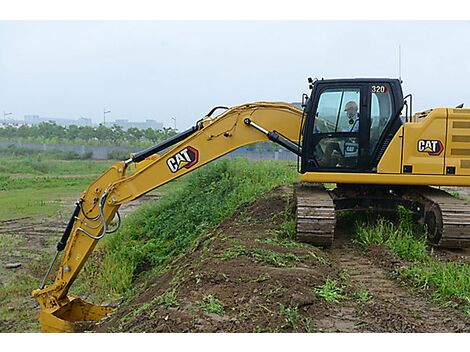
<point x="211" y="138"/>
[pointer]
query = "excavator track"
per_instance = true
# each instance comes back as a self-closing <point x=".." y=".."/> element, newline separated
<point x="447" y="219"/>
<point x="315" y="211"/>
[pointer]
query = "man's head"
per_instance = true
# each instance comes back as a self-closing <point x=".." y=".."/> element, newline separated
<point x="351" y="109"/>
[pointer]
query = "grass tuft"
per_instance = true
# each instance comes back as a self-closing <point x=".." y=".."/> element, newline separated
<point x="402" y="240"/>
<point x="168" y="299"/>
<point x="291" y="315"/>
<point x="330" y="291"/>
<point x="211" y="304"/>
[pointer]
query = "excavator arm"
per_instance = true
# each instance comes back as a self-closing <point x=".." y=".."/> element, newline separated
<point x="209" y="139"/>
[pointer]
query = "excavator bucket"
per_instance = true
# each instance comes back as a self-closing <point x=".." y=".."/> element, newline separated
<point x="75" y="316"/>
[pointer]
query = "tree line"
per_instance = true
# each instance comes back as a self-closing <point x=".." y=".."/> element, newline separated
<point x="50" y="132"/>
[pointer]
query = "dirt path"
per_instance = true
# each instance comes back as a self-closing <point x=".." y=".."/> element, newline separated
<point x="243" y="278"/>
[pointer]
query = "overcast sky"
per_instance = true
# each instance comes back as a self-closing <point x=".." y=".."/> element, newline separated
<point x="160" y="70"/>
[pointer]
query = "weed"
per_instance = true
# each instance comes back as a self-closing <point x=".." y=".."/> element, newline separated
<point x="261" y="255"/>
<point x="291" y="315"/>
<point x="447" y="280"/>
<point x="343" y="275"/>
<point x="319" y="258"/>
<point x="285" y="243"/>
<point x="262" y="277"/>
<point x="330" y="291"/>
<point x="363" y="295"/>
<point x="401" y="240"/>
<point x="211" y="304"/>
<point x="307" y="324"/>
<point x="273" y="291"/>
<point x="233" y="252"/>
<point x="168" y="299"/>
<point x="288" y="230"/>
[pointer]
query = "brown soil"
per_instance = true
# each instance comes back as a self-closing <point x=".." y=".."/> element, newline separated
<point x="258" y="282"/>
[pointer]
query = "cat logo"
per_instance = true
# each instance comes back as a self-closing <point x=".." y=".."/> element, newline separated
<point x="431" y="147"/>
<point x="184" y="158"/>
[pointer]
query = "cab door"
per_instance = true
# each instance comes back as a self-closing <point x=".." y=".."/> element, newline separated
<point x="336" y="138"/>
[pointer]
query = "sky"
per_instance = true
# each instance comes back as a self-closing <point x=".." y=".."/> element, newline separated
<point x="180" y="69"/>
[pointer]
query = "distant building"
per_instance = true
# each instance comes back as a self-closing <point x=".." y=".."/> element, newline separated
<point x="83" y="121"/>
<point x="125" y="124"/>
<point x="32" y="119"/>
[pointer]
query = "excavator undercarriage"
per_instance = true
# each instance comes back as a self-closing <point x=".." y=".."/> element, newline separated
<point x="445" y="217"/>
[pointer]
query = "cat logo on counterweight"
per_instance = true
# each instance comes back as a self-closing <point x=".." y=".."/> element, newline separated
<point x="432" y="147"/>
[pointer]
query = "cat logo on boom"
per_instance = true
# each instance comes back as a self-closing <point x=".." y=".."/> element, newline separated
<point x="184" y="158"/>
<point x="432" y="147"/>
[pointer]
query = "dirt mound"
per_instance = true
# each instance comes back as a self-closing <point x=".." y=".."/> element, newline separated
<point x="244" y="276"/>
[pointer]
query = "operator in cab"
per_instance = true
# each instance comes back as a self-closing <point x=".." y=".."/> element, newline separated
<point x="351" y="110"/>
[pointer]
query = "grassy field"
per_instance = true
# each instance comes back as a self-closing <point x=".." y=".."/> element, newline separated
<point x="36" y="185"/>
<point x="36" y="194"/>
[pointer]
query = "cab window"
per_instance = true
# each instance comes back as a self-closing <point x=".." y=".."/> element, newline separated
<point x="381" y="112"/>
<point x="338" y="111"/>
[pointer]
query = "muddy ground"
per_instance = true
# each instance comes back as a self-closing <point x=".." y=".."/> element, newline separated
<point x="242" y="278"/>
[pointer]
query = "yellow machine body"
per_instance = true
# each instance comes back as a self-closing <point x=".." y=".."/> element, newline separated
<point x="431" y="149"/>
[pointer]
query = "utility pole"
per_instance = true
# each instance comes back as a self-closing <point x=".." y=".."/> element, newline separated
<point x="104" y="116"/>
<point x="5" y="114"/>
<point x="174" y="119"/>
<point x="399" y="62"/>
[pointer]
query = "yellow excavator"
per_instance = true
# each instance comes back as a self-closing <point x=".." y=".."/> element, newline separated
<point x="357" y="133"/>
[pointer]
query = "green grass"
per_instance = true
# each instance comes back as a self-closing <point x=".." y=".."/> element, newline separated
<point x="330" y="291"/>
<point x="39" y="186"/>
<point x="404" y="240"/>
<point x="160" y="231"/>
<point x="318" y="257"/>
<point x="168" y="299"/>
<point x="28" y="165"/>
<point x="285" y="243"/>
<point x="448" y="282"/>
<point x="291" y="315"/>
<point x="16" y="306"/>
<point x="262" y="277"/>
<point x="211" y="304"/>
<point x="38" y="202"/>
<point x="36" y="187"/>
<point x="363" y="295"/>
<point x="262" y="255"/>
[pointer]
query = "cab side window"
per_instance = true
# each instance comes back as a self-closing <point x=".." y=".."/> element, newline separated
<point x="338" y="111"/>
<point x="381" y="112"/>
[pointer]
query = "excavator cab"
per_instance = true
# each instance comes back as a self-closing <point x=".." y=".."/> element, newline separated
<point x="349" y="124"/>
